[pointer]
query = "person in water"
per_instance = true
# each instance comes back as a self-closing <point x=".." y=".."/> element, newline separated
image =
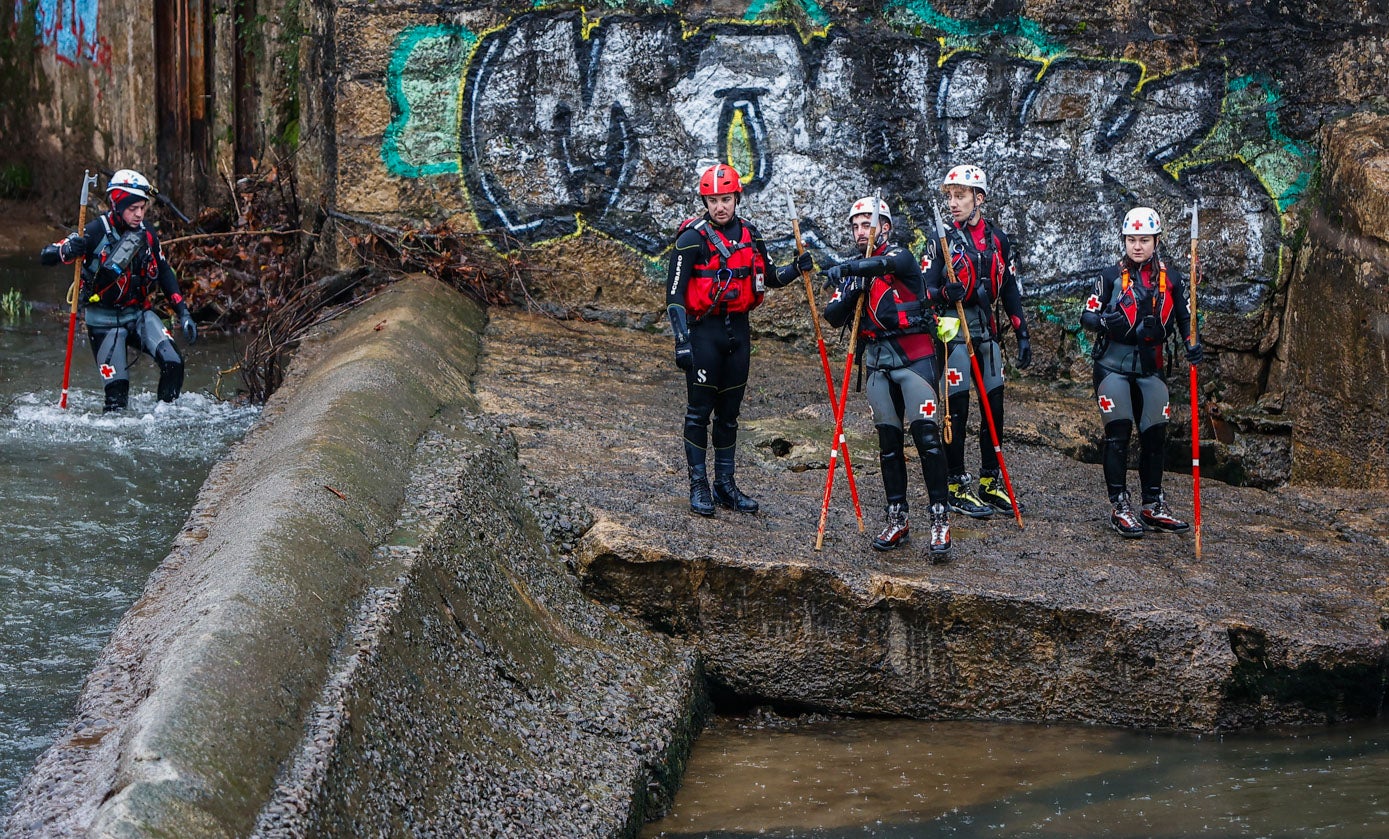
<point x="121" y="269"/>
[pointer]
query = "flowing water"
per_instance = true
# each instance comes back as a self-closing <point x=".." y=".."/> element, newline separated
<point x="91" y="503"/>
<point x="841" y="778"/>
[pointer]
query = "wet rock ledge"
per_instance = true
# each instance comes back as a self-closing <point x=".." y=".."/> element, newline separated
<point x="364" y="630"/>
<point x="1282" y="620"/>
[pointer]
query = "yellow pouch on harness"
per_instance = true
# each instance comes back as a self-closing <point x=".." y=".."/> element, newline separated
<point x="947" y="328"/>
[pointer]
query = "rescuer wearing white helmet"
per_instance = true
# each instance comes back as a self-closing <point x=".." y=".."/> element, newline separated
<point x="897" y="334"/>
<point x="1137" y="304"/>
<point x="986" y="266"/>
<point x="122" y="265"/>
<point x="719" y="270"/>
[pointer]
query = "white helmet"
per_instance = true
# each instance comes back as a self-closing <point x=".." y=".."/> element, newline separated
<point x="131" y="182"/>
<point x="967" y="175"/>
<point x="865" y="205"/>
<point x="1142" y="221"/>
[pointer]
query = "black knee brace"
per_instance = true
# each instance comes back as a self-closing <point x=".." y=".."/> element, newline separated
<point x="1115" y="456"/>
<point x="1151" y="453"/>
<point x="926" y="434"/>
<point x="893" y="462"/>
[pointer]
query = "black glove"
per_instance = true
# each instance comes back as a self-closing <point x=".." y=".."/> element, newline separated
<point x="953" y="292"/>
<point x="1195" y="353"/>
<point x="804" y="262"/>
<point x="1114" y="321"/>
<point x="684" y="356"/>
<point x="185" y="322"/>
<point x="850" y="286"/>
<point x="1024" y="353"/>
<point x="1150" y="330"/>
<point x="72" y="247"/>
<point x="834" y="274"/>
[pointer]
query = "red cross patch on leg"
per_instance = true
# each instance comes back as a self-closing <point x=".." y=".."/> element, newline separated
<point x="928" y="409"/>
<point x="107" y="371"/>
<point x="953" y="376"/>
<point x="1106" y="404"/>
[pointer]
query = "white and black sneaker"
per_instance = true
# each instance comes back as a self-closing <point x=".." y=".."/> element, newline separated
<point x="1123" y="519"/>
<point x="940" y="533"/>
<point x="1158" y="516"/>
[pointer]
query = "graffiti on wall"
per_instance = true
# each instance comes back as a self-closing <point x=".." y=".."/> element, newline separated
<point x="557" y="122"/>
<point x="68" y="27"/>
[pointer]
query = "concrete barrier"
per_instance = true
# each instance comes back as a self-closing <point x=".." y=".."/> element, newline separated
<point x="361" y="631"/>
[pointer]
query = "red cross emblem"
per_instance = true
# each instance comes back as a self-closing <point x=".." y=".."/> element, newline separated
<point x="928" y="408"/>
<point x="953" y="376"/>
<point x="1106" y="404"/>
<point x="168" y="334"/>
<point x="1093" y="304"/>
<point x="107" y="371"/>
<point x="1167" y="411"/>
<point x="954" y="175"/>
<point x="925" y="263"/>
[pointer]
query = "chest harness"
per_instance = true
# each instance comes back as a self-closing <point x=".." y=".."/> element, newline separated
<point x="734" y="277"/>
<point x="120" y="272"/>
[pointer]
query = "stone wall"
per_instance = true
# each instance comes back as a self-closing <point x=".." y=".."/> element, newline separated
<point x="1338" y="315"/>
<point x="571" y="136"/>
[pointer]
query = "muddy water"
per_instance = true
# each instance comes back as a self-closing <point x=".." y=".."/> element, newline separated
<point x="89" y="503"/>
<point x="834" y="779"/>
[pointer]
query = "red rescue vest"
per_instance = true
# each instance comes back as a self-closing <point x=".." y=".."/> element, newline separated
<point x="1162" y="301"/>
<point x="734" y="279"/>
<point x="915" y="342"/>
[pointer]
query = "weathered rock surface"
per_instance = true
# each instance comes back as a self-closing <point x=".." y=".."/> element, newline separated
<point x="1281" y="621"/>
<point x="1338" y="315"/>
<point x="361" y="631"/>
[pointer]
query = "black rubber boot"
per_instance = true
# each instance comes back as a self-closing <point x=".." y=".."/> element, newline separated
<point x="170" y="380"/>
<point x="726" y="492"/>
<point x="117" y="394"/>
<point x="701" y="501"/>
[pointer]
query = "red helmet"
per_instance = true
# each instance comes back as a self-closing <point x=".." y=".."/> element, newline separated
<point x="720" y="179"/>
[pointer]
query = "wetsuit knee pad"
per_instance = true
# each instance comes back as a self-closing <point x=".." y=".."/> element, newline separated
<point x="1118" y="431"/>
<point x="890" y="438"/>
<point x="926" y="435"/>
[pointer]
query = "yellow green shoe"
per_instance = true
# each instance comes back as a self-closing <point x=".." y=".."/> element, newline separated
<point x="964" y="501"/>
<point x="994" y="492"/>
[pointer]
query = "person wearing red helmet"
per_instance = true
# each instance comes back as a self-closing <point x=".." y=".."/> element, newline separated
<point x="719" y="271"/>
<point x="122" y="265"/>
<point x="984" y="265"/>
<point x="1137" y="304"/>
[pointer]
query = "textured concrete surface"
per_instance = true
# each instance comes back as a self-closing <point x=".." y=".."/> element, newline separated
<point x="452" y="678"/>
<point x="1282" y="621"/>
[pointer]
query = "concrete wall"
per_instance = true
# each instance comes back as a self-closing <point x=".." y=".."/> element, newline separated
<point x="356" y="633"/>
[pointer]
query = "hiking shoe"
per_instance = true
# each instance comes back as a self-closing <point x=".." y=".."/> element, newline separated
<point x="1123" y="520"/>
<point x="964" y="501"/>
<point x="994" y="492"/>
<point x="1158" y="516"/>
<point x="896" y="531"/>
<point x="940" y="533"/>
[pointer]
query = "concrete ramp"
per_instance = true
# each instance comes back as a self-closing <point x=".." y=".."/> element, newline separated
<point x="361" y="631"/>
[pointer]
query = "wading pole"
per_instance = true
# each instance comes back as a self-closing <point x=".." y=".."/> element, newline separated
<point x="88" y="181"/>
<point x="824" y="360"/>
<point x="974" y="363"/>
<point x="1195" y="399"/>
<point x="844" y="387"/>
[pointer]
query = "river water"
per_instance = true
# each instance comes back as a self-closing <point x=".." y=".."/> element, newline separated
<point x="842" y="778"/>
<point x="91" y="503"/>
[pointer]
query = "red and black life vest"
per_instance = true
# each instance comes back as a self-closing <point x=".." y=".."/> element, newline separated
<point x="970" y="261"/>
<point x="733" y="279"/>
<point x="1160" y="304"/>
<point x="131" y="286"/>
<point x="890" y="302"/>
